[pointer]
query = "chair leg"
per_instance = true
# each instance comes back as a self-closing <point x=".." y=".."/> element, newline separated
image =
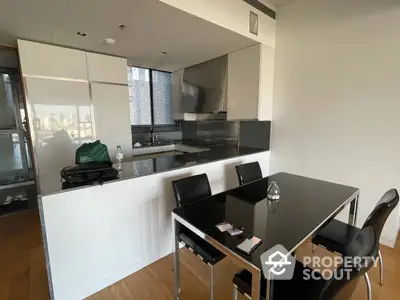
<point x="368" y="283"/>
<point x="235" y="292"/>
<point x="380" y="268"/>
<point x="212" y="282"/>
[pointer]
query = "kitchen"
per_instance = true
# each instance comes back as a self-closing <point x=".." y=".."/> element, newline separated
<point x="71" y="69"/>
<point x="139" y="202"/>
<point x="77" y="96"/>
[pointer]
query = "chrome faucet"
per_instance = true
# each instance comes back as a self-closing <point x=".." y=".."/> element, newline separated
<point x="153" y="138"/>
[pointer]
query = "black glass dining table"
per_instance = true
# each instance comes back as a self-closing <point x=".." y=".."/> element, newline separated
<point x="304" y="206"/>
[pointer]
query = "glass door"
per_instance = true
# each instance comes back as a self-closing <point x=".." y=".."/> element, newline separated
<point x="17" y="185"/>
<point x="14" y="164"/>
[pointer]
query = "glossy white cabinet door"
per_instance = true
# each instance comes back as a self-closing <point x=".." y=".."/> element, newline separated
<point x="250" y="83"/>
<point x="112" y="117"/>
<point x="105" y="68"/>
<point x="266" y="83"/>
<point x="243" y="84"/>
<point x="60" y="121"/>
<point x="51" y="61"/>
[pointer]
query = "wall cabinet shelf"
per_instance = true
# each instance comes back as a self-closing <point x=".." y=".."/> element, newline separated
<point x="49" y="61"/>
<point x="249" y="85"/>
<point x="104" y="68"/>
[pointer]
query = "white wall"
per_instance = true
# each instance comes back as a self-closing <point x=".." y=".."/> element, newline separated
<point x="98" y="235"/>
<point x="230" y="14"/>
<point x="337" y="96"/>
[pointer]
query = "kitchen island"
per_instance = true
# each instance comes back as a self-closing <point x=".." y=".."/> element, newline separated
<point x="97" y="235"/>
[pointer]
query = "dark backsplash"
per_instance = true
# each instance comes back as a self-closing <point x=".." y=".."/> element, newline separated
<point x="254" y="134"/>
<point x="211" y="131"/>
<point x="189" y="130"/>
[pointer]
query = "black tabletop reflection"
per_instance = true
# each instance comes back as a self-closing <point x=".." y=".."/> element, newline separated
<point x="304" y="205"/>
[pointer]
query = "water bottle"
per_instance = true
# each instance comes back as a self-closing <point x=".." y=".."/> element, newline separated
<point x="119" y="155"/>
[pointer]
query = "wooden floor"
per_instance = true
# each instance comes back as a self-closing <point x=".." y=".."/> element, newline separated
<point x="155" y="282"/>
<point x="22" y="265"/>
<point x="23" y="273"/>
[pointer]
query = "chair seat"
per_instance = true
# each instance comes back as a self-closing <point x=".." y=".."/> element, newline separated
<point x="283" y="289"/>
<point x="201" y="248"/>
<point x="336" y="236"/>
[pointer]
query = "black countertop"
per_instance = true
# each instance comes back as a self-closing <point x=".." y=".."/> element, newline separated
<point x="162" y="164"/>
<point x="129" y="168"/>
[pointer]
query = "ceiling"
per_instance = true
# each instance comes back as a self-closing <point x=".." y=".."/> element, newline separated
<point x="151" y="28"/>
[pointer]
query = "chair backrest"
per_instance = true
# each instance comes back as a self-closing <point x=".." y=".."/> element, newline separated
<point x="382" y="210"/>
<point x="248" y="172"/>
<point x="190" y="189"/>
<point x="362" y="252"/>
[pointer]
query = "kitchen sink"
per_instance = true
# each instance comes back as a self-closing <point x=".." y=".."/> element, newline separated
<point x="165" y="150"/>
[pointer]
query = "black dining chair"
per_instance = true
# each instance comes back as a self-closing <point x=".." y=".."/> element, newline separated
<point x="362" y="252"/>
<point x="188" y="190"/>
<point x="336" y="235"/>
<point x="249" y="172"/>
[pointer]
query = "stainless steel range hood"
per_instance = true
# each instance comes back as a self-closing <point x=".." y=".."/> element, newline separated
<point x="204" y="90"/>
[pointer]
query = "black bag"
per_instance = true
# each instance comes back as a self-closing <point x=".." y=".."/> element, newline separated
<point x="87" y="174"/>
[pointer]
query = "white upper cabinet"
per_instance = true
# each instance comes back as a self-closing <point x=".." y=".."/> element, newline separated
<point x="51" y="61"/>
<point x="266" y="91"/>
<point x="243" y="83"/>
<point x="250" y="83"/>
<point x="104" y="68"/>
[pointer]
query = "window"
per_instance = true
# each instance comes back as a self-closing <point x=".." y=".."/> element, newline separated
<point x="150" y="94"/>
<point x="162" y="98"/>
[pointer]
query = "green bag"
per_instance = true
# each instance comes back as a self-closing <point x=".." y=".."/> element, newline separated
<point x="92" y="152"/>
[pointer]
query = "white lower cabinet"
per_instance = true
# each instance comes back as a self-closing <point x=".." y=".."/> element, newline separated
<point x="99" y="235"/>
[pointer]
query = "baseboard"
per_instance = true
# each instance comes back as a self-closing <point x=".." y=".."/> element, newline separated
<point x="387" y="242"/>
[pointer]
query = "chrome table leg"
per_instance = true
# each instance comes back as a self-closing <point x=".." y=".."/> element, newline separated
<point x="212" y="282"/>
<point x="175" y="231"/>
<point x="235" y="292"/>
<point x="353" y="211"/>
